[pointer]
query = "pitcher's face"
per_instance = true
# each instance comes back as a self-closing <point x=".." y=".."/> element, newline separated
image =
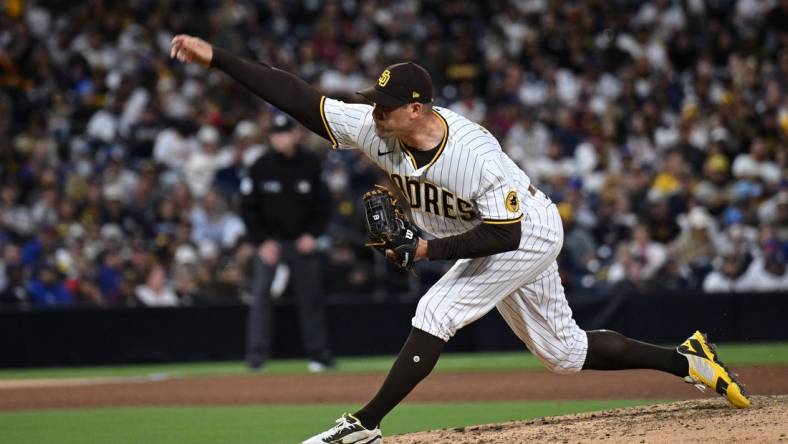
<point x="392" y="121"/>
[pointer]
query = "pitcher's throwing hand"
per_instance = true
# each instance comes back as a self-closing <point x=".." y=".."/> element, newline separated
<point x="190" y="49"/>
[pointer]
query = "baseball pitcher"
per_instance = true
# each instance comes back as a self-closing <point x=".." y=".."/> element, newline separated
<point x="481" y="210"/>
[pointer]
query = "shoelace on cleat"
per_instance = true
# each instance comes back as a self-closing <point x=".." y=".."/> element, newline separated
<point x="343" y="427"/>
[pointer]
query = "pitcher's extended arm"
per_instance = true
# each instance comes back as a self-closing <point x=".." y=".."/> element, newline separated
<point x="277" y="87"/>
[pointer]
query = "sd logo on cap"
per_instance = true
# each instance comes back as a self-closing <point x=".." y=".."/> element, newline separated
<point x="399" y="84"/>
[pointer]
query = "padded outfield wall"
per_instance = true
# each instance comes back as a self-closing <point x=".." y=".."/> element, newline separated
<point x="114" y="336"/>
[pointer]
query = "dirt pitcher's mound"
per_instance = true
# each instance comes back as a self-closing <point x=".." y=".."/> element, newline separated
<point x="705" y="420"/>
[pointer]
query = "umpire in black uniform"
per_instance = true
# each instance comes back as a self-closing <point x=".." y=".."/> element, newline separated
<point x="285" y="205"/>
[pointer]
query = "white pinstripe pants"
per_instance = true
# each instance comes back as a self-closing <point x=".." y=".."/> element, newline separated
<point x="523" y="285"/>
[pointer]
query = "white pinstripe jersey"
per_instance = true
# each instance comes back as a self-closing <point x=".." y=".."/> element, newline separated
<point x="469" y="180"/>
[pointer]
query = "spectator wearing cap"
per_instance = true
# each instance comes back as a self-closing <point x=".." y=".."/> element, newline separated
<point x="285" y="206"/>
<point x="202" y="165"/>
<point x="184" y="272"/>
<point x="711" y="191"/>
<point x="245" y="150"/>
<point x="247" y="142"/>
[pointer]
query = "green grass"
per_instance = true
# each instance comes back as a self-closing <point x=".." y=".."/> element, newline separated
<point x="288" y="424"/>
<point x="259" y="424"/>
<point x="732" y="354"/>
<point x="754" y="354"/>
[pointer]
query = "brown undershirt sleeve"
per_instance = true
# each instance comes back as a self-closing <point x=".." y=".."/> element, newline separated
<point x="482" y="240"/>
<point x="279" y="88"/>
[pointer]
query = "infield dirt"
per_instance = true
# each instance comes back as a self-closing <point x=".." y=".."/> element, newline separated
<point x="700" y="420"/>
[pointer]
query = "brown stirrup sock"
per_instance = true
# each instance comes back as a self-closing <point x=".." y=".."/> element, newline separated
<point x="608" y="350"/>
<point x="414" y="362"/>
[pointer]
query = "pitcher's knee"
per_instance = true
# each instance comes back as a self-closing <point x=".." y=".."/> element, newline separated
<point x="561" y="361"/>
<point x="563" y="357"/>
<point x="432" y="323"/>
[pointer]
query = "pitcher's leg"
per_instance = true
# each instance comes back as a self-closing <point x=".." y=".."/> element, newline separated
<point x="609" y="350"/>
<point x="695" y="360"/>
<point x="466" y="292"/>
<point x="540" y="316"/>
<point x="414" y="362"/>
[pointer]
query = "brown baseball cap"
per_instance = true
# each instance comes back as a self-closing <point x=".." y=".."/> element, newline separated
<point x="399" y="84"/>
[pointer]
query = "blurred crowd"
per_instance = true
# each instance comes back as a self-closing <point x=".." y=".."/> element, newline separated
<point x="660" y="129"/>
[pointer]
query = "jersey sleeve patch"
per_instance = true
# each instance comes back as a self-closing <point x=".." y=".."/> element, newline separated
<point x="512" y="202"/>
<point x="498" y="200"/>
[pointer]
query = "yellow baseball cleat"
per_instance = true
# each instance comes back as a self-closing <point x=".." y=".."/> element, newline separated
<point x="706" y="370"/>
